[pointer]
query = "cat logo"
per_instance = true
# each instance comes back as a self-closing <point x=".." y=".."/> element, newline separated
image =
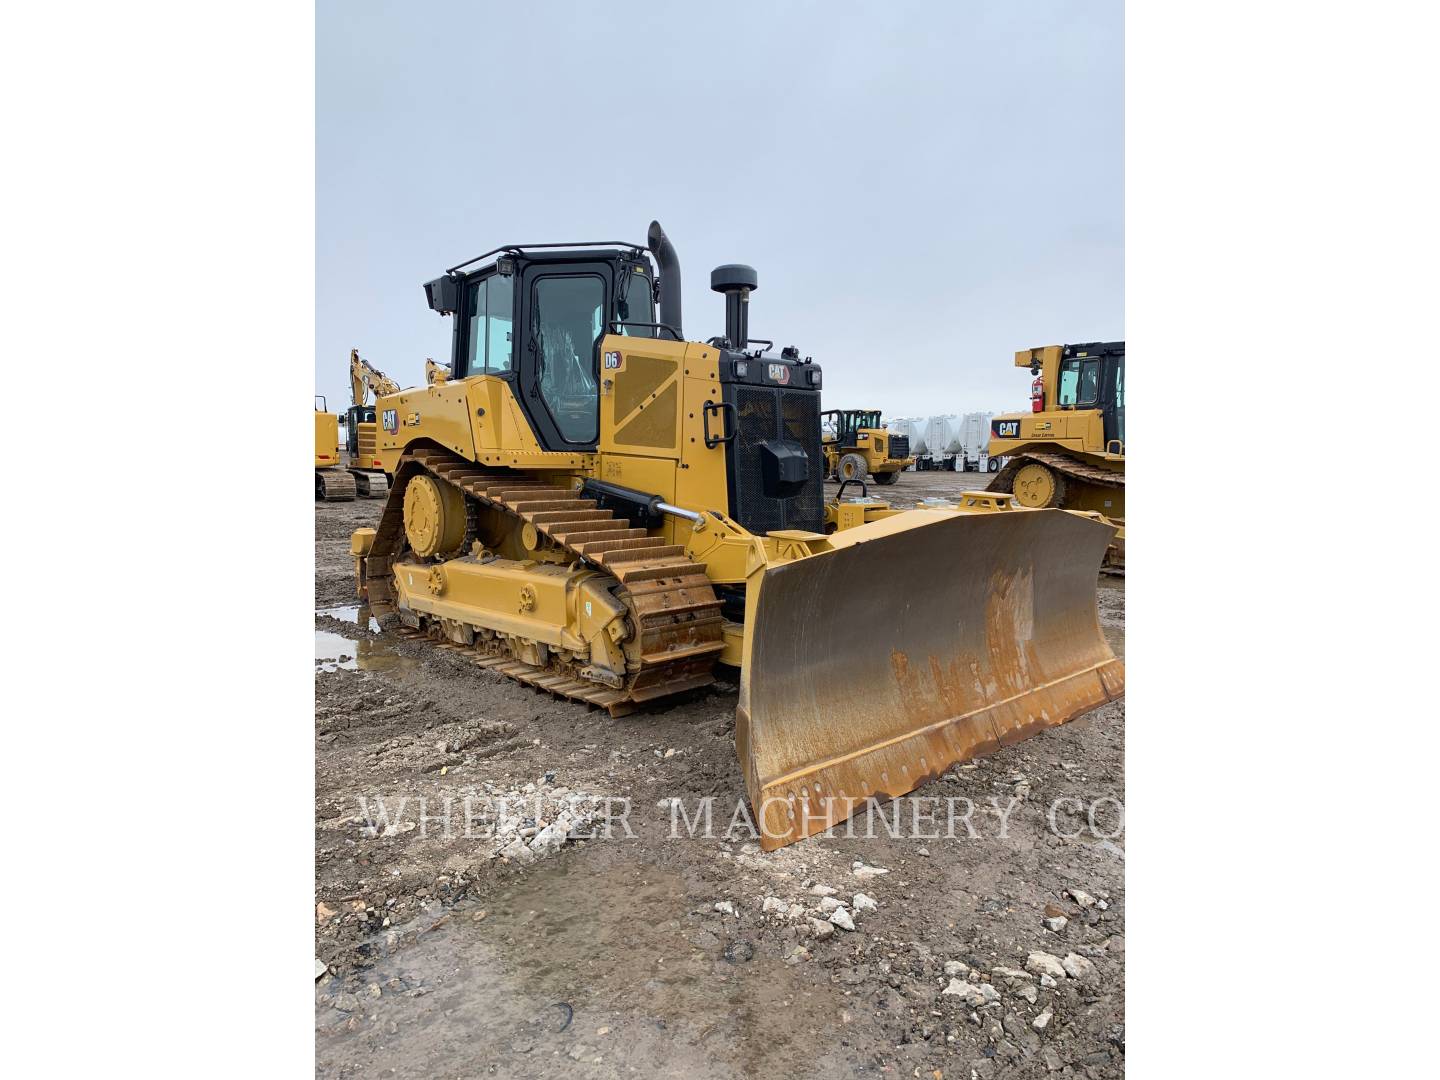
<point x="780" y="373"/>
<point x="1007" y="429"/>
<point x="390" y="421"/>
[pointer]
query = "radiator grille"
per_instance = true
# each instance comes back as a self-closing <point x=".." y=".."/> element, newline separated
<point x="776" y="414"/>
<point x="899" y="447"/>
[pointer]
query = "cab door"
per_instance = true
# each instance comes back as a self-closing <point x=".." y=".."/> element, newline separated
<point x="565" y="308"/>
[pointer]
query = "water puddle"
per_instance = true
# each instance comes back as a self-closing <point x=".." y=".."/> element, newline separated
<point x="349" y="613"/>
<point x="613" y="968"/>
<point x="335" y="651"/>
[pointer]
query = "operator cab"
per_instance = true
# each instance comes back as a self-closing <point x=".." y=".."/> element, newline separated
<point x="844" y="425"/>
<point x="1092" y="376"/>
<point x="535" y="317"/>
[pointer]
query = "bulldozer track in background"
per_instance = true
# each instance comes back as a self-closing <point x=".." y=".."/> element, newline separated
<point x="1063" y="464"/>
<point x="337" y="485"/>
<point x="370" y="483"/>
<point x="668" y="597"/>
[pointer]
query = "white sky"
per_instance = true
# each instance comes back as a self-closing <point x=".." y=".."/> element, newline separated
<point x="923" y="188"/>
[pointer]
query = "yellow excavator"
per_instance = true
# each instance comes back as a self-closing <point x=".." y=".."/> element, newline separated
<point x="332" y="482"/>
<point x="1069" y="450"/>
<point x="600" y="508"/>
<point x="856" y="444"/>
<point x="365" y="465"/>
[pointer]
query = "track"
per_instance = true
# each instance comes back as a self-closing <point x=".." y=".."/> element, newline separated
<point x="334" y="485"/>
<point x="370" y="483"/>
<point x="673" y="609"/>
<point x="1064" y="464"/>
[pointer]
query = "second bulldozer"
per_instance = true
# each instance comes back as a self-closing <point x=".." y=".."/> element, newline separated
<point x="1069" y="450"/>
<point x="601" y="509"/>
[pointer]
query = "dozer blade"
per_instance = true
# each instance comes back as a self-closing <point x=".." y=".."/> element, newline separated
<point x="921" y="640"/>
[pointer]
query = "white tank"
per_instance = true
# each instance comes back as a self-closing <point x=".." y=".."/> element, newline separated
<point x="975" y="434"/>
<point x="942" y="435"/>
<point x="914" y="430"/>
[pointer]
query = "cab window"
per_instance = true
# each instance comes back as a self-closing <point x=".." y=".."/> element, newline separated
<point x="488" y="343"/>
<point x="566" y="320"/>
<point x="1079" y="382"/>
<point x="634" y="303"/>
<point x="499" y="323"/>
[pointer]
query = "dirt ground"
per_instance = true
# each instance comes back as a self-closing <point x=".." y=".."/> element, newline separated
<point x="610" y="957"/>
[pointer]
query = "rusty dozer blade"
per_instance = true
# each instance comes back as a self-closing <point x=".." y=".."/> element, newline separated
<point x="919" y="641"/>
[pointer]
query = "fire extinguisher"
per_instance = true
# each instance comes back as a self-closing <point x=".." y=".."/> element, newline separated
<point x="1037" y="394"/>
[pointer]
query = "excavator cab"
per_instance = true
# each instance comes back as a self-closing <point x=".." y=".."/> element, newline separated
<point x="354" y="417"/>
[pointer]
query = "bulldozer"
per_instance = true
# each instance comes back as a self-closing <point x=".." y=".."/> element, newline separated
<point x="857" y="445"/>
<point x="1069" y="450"/>
<point x="598" y="507"/>
<point x="365" y="466"/>
<point x="332" y="482"/>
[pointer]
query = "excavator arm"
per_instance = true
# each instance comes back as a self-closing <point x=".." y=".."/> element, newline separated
<point x="365" y="380"/>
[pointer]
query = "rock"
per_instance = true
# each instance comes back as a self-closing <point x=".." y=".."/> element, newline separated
<point x="1048" y="982"/>
<point x="956" y="967"/>
<point x="958" y="987"/>
<point x="821" y="929"/>
<point x="1077" y="967"/>
<point x="323" y="911"/>
<point x="1029" y="993"/>
<point x="841" y="918"/>
<point x="973" y="994"/>
<point x="829" y="904"/>
<point x="320" y="967"/>
<point x="1041" y="1022"/>
<point x="795" y="912"/>
<point x="923" y="852"/>
<point x="670" y="752"/>
<point x="799" y="954"/>
<point x="823" y="890"/>
<point x="725" y="907"/>
<point x="860" y="870"/>
<point x="1044" y="963"/>
<point x="1011" y="973"/>
<point x="1052" y="1059"/>
<point x="862" y="902"/>
<point x="1082" y="898"/>
<point x="773" y="905"/>
<point x="517" y="850"/>
<point x="1054" y="910"/>
<point x="551" y="838"/>
<point x="1057" y="923"/>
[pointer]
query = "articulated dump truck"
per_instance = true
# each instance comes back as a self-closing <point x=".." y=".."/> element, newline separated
<point x="597" y="507"/>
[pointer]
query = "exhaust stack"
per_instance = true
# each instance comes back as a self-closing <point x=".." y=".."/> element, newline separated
<point x="737" y="282"/>
<point x="669" y="264"/>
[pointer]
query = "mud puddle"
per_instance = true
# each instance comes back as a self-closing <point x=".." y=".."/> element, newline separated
<point x="350" y="613"/>
<point x="335" y="651"/>
<point x="599" y="971"/>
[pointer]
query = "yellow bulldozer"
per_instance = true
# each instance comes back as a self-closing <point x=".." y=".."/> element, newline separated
<point x="600" y="508"/>
<point x="332" y="482"/>
<point x="1069" y="450"/>
<point x="856" y="444"/>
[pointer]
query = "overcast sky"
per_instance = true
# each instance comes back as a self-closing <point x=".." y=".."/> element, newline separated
<point x="923" y="187"/>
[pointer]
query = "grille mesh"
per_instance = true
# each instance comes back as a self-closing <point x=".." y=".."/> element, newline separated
<point x="777" y="414"/>
<point x="899" y="446"/>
